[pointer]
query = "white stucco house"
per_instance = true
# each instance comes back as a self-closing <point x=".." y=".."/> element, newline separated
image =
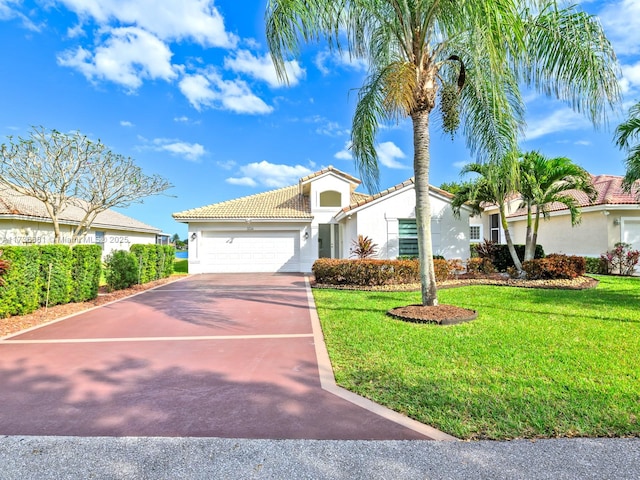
<point x="24" y="221"/>
<point x="613" y="217"/>
<point x="287" y="229"/>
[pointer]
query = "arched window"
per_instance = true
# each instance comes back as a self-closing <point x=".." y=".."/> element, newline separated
<point x="330" y="198"/>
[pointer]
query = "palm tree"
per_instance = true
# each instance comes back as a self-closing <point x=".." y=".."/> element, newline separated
<point x="544" y="181"/>
<point x="496" y="184"/>
<point x="473" y="53"/>
<point x="626" y="132"/>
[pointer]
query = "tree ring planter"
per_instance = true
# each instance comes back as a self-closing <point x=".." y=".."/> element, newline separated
<point x="439" y="315"/>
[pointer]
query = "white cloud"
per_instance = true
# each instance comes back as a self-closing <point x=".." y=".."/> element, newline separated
<point x="388" y="153"/>
<point x="189" y="151"/>
<point x="182" y="119"/>
<point x="126" y="123"/>
<point x="209" y="89"/>
<point x="621" y="21"/>
<point x="261" y="68"/>
<point x="583" y="143"/>
<point x="630" y="77"/>
<point x="327" y="59"/>
<point x="228" y="165"/>
<point x="127" y="57"/>
<point x="345" y="153"/>
<point x="559" y="121"/>
<point x="460" y="164"/>
<point x="242" y="181"/>
<point x="196" y="20"/>
<point x="268" y="174"/>
<point x="9" y="9"/>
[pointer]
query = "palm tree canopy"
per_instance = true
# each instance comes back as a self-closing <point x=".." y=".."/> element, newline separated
<point x="626" y="133"/>
<point x="485" y="48"/>
<point x="544" y="181"/>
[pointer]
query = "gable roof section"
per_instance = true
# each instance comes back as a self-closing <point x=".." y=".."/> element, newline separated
<point x="16" y="205"/>
<point x="284" y="203"/>
<point x="365" y="200"/>
<point x="609" y="192"/>
<point x="331" y="169"/>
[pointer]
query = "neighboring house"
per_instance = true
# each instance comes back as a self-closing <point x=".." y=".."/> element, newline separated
<point x="286" y="230"/>
<point x="24" y="221"/>
<point x="613" y="217"/>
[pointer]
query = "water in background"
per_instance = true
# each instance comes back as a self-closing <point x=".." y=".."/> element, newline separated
<point x="182" y="254"/>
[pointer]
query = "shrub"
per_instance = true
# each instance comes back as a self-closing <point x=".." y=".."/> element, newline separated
<point x="20" y="289"/>
<point x="555" y="267"/>
<point x="487" y="249"/>
<point x="480" y="266"/>
<point x="363" y="247"/>
<point x="621" y="260"/>
<point x="377" y="272"/>
<point x="502" y="257"/>
<point x="4" y="266"/>
<point x="55" y="274"/>
<point x="154" y="261"/>
<point x="121" y="270"/>
<point x="85" y="272"/>
<point x="595" y="265"/>
<point x="169" y="258"/>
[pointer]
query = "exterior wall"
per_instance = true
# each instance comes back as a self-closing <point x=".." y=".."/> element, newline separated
<point x="594" y="235"/>
<point x="379" y="221"/>
<point x="24" y="232"/>
<point x="197" y="231"/>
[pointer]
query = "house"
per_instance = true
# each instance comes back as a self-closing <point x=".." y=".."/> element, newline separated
<point x="24" y="221"/>
<point x="287" y="229"/>
<point x="614" y="216"/>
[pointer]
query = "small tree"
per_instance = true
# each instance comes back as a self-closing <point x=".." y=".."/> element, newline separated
<point x="621" y="260"/>
<point x="62" y="170"/>
<point x="627" y="137"/>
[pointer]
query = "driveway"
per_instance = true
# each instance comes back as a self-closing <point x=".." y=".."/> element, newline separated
<point x="236" y="356"/>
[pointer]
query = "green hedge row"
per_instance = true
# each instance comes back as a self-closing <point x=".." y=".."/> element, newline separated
<point x="141" y="264"/>
<point x="154" y="261"/>
<point x="48" y="275"/>
<point x="502" y="258"/>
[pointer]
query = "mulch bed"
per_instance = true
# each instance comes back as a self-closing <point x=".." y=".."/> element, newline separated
<point x="440" y="314"/>
<point x="17" y="323"/>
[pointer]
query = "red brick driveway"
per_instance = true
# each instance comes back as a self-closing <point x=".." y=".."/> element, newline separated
<point x="208" y="356"/>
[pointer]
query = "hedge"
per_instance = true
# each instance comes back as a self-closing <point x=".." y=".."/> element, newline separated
<point x="85" y="272"/>
<point x="122" y="270"/>
<point x="20" y="289"/>
<point x="366" y="272"/>
<point x="154" y="261"/>
<point x="502" y="258"/>
<point x="56" y="264"/>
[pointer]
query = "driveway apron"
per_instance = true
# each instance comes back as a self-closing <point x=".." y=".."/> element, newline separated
<point x="208" y="356"/>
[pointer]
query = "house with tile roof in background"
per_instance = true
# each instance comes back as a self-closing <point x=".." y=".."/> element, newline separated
<point x="614" y="216"/>
<point x="24" y="221"/>
<point x="287" y="229"/>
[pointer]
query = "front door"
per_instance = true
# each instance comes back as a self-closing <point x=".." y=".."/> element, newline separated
<point x="328" y="240"/>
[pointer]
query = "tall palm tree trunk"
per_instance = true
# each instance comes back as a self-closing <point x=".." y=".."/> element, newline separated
<point x="421" y="160"/>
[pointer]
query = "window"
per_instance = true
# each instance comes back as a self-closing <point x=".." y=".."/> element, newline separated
<point x="330" y="199"/>
<point x="407" y="238"/>
<point x="100" y="239"/>
<point x="495" y="228"/>
<point x="475" y="233"/>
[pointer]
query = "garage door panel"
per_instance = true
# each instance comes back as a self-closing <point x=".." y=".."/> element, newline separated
<point x="631" y="233"/>
<point x="251" y="251"/>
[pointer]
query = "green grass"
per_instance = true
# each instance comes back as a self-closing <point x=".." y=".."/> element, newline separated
<point x="535" y="363"/>
<point x="181" y="266"/>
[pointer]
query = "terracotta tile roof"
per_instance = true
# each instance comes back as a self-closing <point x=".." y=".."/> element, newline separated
<point x="364" y="199"/>
<point x="13" y="203"/>
<point x="609" y="192"/>
<point x="285" y="202"/>
<point x="330" y="169"/>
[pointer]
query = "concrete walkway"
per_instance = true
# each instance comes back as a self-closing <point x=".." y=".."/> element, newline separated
<point x="235" y="356"/>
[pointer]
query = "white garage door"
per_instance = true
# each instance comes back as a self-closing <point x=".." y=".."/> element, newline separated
<point x="631" y="232"/>
<point x="250" y="252"/>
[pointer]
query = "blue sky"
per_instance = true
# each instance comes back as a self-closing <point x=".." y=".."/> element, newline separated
<point x="187" y="89"/>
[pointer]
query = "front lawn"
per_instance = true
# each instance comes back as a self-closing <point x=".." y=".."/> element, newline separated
<point x="535" y="363"/>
